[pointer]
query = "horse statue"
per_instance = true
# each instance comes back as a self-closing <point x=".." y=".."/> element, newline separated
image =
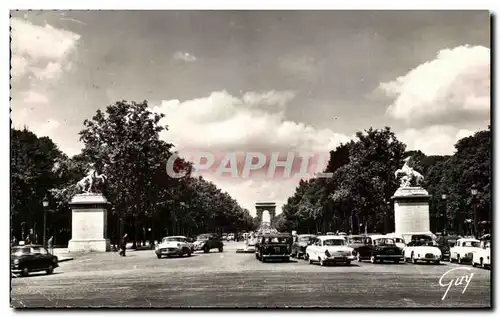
<point x="89" y="182"/>
<point x="409" y="173"/>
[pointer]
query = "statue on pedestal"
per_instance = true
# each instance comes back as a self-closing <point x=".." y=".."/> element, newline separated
<point x="90" y="183"/>
<point x="409" y="173"/>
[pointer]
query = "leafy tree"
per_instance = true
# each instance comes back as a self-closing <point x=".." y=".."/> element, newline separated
<point x="33" y="174"/>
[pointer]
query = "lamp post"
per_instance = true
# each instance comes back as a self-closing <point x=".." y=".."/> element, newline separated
<point x="45" y="203"/>
<point x="444" y="218"/>
<point x="473" y="192"/>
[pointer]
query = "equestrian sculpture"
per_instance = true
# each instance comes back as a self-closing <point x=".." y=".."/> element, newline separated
<point x="89" y="182"/>
<point x="409" y="173"/>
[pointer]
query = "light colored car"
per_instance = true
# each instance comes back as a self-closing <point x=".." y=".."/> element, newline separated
<point x="482" y="256"/>
<point x="425" y="249"/>
<point x="329" y="249"/>
<point x="464" y="249"/>
<point x="175" y="245"/>
<point x="398" y="240"/>
<point x="230" y="237"/>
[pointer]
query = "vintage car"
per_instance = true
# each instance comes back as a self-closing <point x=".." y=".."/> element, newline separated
<point x="249" y="246"/>
<point x="175" y="245"/>
<point x="379" y="248"/>
<point x="329" y="249"/>
<point x="273" y="246"/>
<point x="482" y="257"/>
<point x="422" y="249"/>
<point x="355" y="241"/>
<point x="464" y="249"/>
<point x="445" y="243"/>
<point x="31" y="258"/>
<point x="398" y="239"/>
<point x="300" y="244"/>
<point x="208" y="241"/>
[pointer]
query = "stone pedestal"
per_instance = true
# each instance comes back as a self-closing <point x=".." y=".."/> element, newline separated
<point x="411" y="210"/>
<point x="89" y="223"/>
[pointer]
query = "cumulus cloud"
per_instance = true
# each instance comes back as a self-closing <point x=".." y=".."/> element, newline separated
<point x="184" y="57"/>
<point x="40" y="55"/>
<point x="434" y="140"/>
<point x="40" y="51"/>
<point x="453" y="87"/>
<point x="255" y="122"/>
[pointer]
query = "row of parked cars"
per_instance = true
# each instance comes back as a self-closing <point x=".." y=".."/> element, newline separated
<point x="183" y="246"/>
<point x="376" y="248"/>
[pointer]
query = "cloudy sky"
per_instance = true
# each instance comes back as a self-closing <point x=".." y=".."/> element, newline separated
<point x="270" y="81"/>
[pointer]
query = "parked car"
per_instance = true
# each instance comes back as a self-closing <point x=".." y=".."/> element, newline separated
<point x="482" y="257"/>
<point x="355" y="241"/>
<point x="174" y="245"/>
<point x="464" y="249"/>
<point x="379" y="248"/>
<point x="300" y="244"/>
<point x="32" y="258"/>
<point x="274" y="246"/>
<point x="445" y="243"/>
<point x="230" y="237"/>
<point x="424" y="249"/>
<point x="207" y="242"/>
<point x="398" y="239"/>
<point x="329" y="249"/>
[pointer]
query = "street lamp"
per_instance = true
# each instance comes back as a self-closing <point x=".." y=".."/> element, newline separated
<point x="45" y="204"/>
<point x="444" y="218"/>
<point x="473" y="192"/>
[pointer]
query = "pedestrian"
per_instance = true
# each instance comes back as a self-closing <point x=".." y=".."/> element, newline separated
<point x="50" y="244"/>
<point x="123" y="245"/>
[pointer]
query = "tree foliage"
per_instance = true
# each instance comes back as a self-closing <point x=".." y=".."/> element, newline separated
<point x="123" y="143"/>
<point x="357" y="197"/>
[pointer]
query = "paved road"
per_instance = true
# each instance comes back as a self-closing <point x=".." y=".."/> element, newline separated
<point x="229" y="279"/>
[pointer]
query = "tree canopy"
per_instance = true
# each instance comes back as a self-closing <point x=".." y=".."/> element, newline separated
<point x="357" y="198"/>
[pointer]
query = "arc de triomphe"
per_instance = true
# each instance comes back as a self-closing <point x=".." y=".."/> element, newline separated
<point x="270" y="207"/>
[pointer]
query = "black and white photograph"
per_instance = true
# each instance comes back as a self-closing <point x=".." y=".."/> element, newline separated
<point x="250" y="159"/>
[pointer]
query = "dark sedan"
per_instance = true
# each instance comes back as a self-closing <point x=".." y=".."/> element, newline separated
<point x="379" y="249"/>
<point x="274" y="246"/>
<point x="300" y="244"/>
<point x="445" y="243"/>
<point x="32" y="258"/>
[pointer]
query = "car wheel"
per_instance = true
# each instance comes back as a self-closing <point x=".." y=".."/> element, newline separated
<point x="25" y="272"/>
<point x="482" y="263"/>
<point x="286" y="259"/>
<point x="50" y="270"/>
<point x="221" y="249"/>
<point x="373" y="259"/>
<point x="413" y="260"/>
<point x="206" y="249"/>
<point x="474" y="264"/>
<point x="188" y="253"/>
<point x="437" y="262"/>
<point x="321" y="262"/>
<point x="306" y="256"/>
<point x="358" y="257"/>
<point x="396" y="261"/>
<point x="158" y="256"/>
<point x="348" y="263"/>
<point x="310" y="260"/>
<point x="459" y="259"/>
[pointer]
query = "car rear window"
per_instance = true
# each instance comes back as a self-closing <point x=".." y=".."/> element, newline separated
<point x="20" y="251"/>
